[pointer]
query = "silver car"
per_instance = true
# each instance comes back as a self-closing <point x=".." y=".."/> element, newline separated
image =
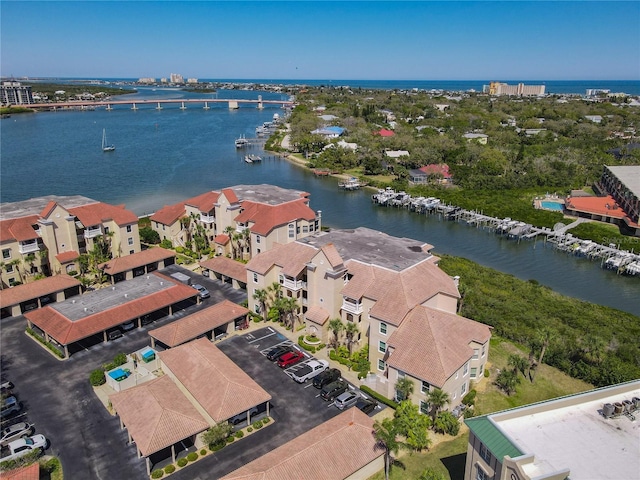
<point x="14" y="432"/>
<point x="203" y="292"/>
<point x="346" y="399"/>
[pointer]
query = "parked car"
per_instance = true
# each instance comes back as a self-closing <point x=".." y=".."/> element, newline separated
<point x="202" y="292"/>
<point x="290" y="358"/>
<point x="346" y="399"/>
<point x="332" y="390"/>
<point x="366" y="405"/>
<point x="277" y="352"/>
<point x="126" y="326"/>
<point x="113" y="334"/>
<point x="310" y="370"/>
<point x="10" y="406"/>
<point x="14" y="432"/>
<point x="242" y="417"/>
<point x="23" y="446"/>
<point x="326" y="377"/>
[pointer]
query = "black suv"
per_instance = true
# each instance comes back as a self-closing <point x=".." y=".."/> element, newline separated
<point x="326" y="377"/>
<point x="279" y="351"/>
<point x="332" y="390"/>
<point x="366" y="405"/>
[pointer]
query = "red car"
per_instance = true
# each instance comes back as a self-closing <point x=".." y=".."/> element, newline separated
<point x="290" y="358"/>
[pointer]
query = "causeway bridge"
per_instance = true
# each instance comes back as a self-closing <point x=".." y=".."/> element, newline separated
<point x="109" y="104"/>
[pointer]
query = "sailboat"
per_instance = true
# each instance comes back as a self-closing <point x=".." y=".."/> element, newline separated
<point x="105" y="147"/>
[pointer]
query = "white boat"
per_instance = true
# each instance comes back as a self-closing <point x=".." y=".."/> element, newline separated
<point x="351" y="184"/>
<point x="252" y="158"/>
<point x="105" y="146"/>
<point x="241" y="142"/>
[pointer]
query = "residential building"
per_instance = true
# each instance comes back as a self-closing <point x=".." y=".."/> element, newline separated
<point x="521" y="90"/>
<point x="246" y="218"/>
<point x="176" y="78"/>
<point x="396" y="154"/>
<point x="328" y="132"/>
<point x="476" y="137"/>
<point x="14" y="93"/>
<point x="23" y="298"/>
<point x="583" y="436"/>
<point x="47" y="235"/>
<point x="434" y="173"/>
<point x="386" y="286"/>
<point x="623" y="184"/>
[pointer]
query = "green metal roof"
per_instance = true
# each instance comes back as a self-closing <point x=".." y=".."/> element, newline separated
<point x="493" y="439"/>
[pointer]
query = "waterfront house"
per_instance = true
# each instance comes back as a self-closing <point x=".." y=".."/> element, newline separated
<point x="47" y="235"/>
<point x="434" y="172"/>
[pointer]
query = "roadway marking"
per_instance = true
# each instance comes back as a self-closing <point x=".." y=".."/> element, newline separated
<point x="307" y="386"/>
<point x="266" y="336"/>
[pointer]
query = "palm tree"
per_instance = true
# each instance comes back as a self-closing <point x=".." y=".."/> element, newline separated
<point x="404" y="389"/>
<point x="518" y="363"/>
<point x="16" y="264"/>
<point x="386" y="436"/>
<point x="261" y="295"/>
<point x="350" y="331"/>
<point x="289" y="306"/>
<point x="544" y="337"/>
<point x="336" y="326"/>
<point x="230" y="232"/>
<point x="437" y="399"/>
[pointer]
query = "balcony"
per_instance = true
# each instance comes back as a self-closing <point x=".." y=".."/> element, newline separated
<point x="293" y="284"/>
<point x="29" y="247"/>
<point x="92" y="232"/>
<point x="351" y="306"/>
<point x="241" y="228"/>
<point x="207" y="218"/>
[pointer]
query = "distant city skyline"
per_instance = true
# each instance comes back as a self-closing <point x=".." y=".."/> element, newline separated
<point x="389" y="40"/>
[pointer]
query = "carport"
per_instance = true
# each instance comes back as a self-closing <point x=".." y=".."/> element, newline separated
<point x="23" y="298"/>
<point x="226" y="270"/>
<point x="136" y="264"/>
<point x="96" y="312"/>
<point x="157" y="416"/>
<point x="211" y="322"/>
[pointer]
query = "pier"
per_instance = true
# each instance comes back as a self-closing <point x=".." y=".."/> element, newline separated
<point x="611" y="257"/>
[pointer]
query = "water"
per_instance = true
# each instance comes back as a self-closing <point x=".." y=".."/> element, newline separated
<point x="166" y="156"/>
<point x="552" y="206"/>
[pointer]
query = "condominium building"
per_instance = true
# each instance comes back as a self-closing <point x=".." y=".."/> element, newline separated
<point x="392" y="289"/>
<point x="176" y="78"/>
<point x="14" y="93"/>
<point x="247" y="218"/>
<point x="47" y="235"/>
<point x="582" y="437"/>
<point x="520" y="90"/>
<point x="623" y="184"/>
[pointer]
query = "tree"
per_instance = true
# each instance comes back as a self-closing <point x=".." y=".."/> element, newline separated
<point x="507" y="381"/>
<point x="518" y="363"/>
<point x="149" y="235"/>
<point x="437" y="398"/>
<point x="350" y="331"/>
<point x="231" y="233"/>
<point x="447" y="423"/>
<point x="412" y="425"/>
<point x="542" y="340"/>
<point x="16" y="263"/>
<point x="404" y="388"/>
<point x="261" y="296"/>
<point x="386" y="436"/>
<point x="336" y="326"/>
<point x="217" y="434"/>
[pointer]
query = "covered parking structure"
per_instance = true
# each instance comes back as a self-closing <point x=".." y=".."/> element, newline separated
<point x="213" y="322"/>
<point x="90" y="316"/>
<point x="23" y="298"/>
<point x="226" y="270"/>
<point x="157" y="416"/>
<point x="137" y="264"/>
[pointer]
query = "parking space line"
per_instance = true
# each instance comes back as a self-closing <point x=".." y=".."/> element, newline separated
<point x="307" y="386"/>
<point x="266" y="336"/>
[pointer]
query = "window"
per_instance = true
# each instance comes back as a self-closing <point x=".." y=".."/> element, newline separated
<point x="12" y="281"/>
<point x="464" y="388"/>
<point x="106" y="230"/>
<point x="130" y="240"/>
<point x="9" y="268"/>
<point x="424" y="388"/>
<point x="400" y="374"/>
<point x="311" y="227"/>
<point x="257" y="238"/>
<point x="6" y="253"/>
<point x="381" y="365"/>
<point x="292" y="231"/>
<point x="305" y="229"/>
<point x="128" y="228"/>
<point x="257" y="250"/>
<point x="163" y="227"/>
<point x="475" y="353"/>
<point x="382" y="347"/>
<point x="131" y="252"/>
<point x="424" y="407"/>
<point x="474" y="371"/>
<point x="485" y="453"/>
<point x="481" y="474"/>
<point x="466" y="369"/>
<point x="484" y="348"/>
<point x="383" y="328"/>
<point x="255" y="278"/>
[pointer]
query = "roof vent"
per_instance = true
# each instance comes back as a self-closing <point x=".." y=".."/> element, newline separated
<point x="85" y="309"/>
<point x="126" y="295"/>
<point x="73" y="301"/>
<point x="161" y="283"/>
<point x="113" y="288"/>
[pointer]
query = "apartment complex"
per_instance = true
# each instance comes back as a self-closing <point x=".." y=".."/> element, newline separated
<point x="393" y="290"/>
<point x="47" y="235"/>
<point x="623" y="184"/>
<point x="14" y="93"/>
<point x="520" y="90"/>
<point x="584" y="436"/>
<point x="247" y="218"/>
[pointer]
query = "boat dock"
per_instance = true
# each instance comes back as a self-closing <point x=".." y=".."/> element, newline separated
<point x="611" y="257"/>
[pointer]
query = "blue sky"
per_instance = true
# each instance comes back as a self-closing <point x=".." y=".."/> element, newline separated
<point x="322" y="40"/>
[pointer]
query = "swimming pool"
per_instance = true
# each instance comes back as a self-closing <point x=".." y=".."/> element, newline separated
<point x="553" y="206"/>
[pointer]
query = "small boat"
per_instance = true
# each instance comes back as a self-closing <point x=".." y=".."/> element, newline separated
<point x="252" y="158"/>
<point x="351" y="184"/>
<point x="105" y="146"/>
<point x="241" y="142"/>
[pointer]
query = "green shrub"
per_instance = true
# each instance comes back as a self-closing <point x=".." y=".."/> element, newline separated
<point x="249" y="429"/>
<point x="169" y="469"/>
<point x="257" y="424"/>
<point x="182" y="462"/>
<point x="231" y="439"/>
<point x="157" y="474"/>
<point x="447" y="423"/>
<point x="192" y="457"/>
<point x="49" y="345"/>
<point x="378" y="397"/>
<point x="239" y="434"/>
<point x="120" y="359"/>
<point x="203" y="452"/>
<point x="470" y="398"/>
<point x="486" y="373"/>
<point x="179" y="249"/>
<point x="266" y="420"/>
<point x="72" y="273"/>
<point x="97" y="377"/>
<point x="108" y="366"/>
<point x="214" y="447"/>
<point x="166" y="243"/>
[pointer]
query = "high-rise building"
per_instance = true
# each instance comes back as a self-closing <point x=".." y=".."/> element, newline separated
<point x="14" y="93"/>
<point x="176" y="78"/>
<point x="521" y="90"/>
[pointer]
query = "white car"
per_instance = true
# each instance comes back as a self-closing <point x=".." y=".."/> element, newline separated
<point x="14" y="432"/>
<point x="23" y="446"/>
<point x="309" y="370"/>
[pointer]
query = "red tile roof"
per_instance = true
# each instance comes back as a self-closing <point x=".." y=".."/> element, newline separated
<point x="140" y="259"/>
<point x="265" y="218"/>
<point x="385" y="133"/>
<point x="157" y="414"/>
<point x="317" y="315"/>
<point x="441" y="168"/>
<point x="169" y="214"/>
<point x="227" y="267"/>
<point x="96" y="213"/>
<point x="204" y="202"/>
<point x="18" y="229"/>
<point x="605" y="206"/>
<point x="231" y="195"/>
<point x="66" y="257"/>
<point x="66" y="331"/>
<point x="30" y="472"/>
<point x="221" y="387"/>
<point x="432" y="345"/>
<point x="291" y="257"/>
<point x="39" y="288"/>
<point x="196" y="324"/>
<point x="221" y="239"/>
<point x="334" y="450"/>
